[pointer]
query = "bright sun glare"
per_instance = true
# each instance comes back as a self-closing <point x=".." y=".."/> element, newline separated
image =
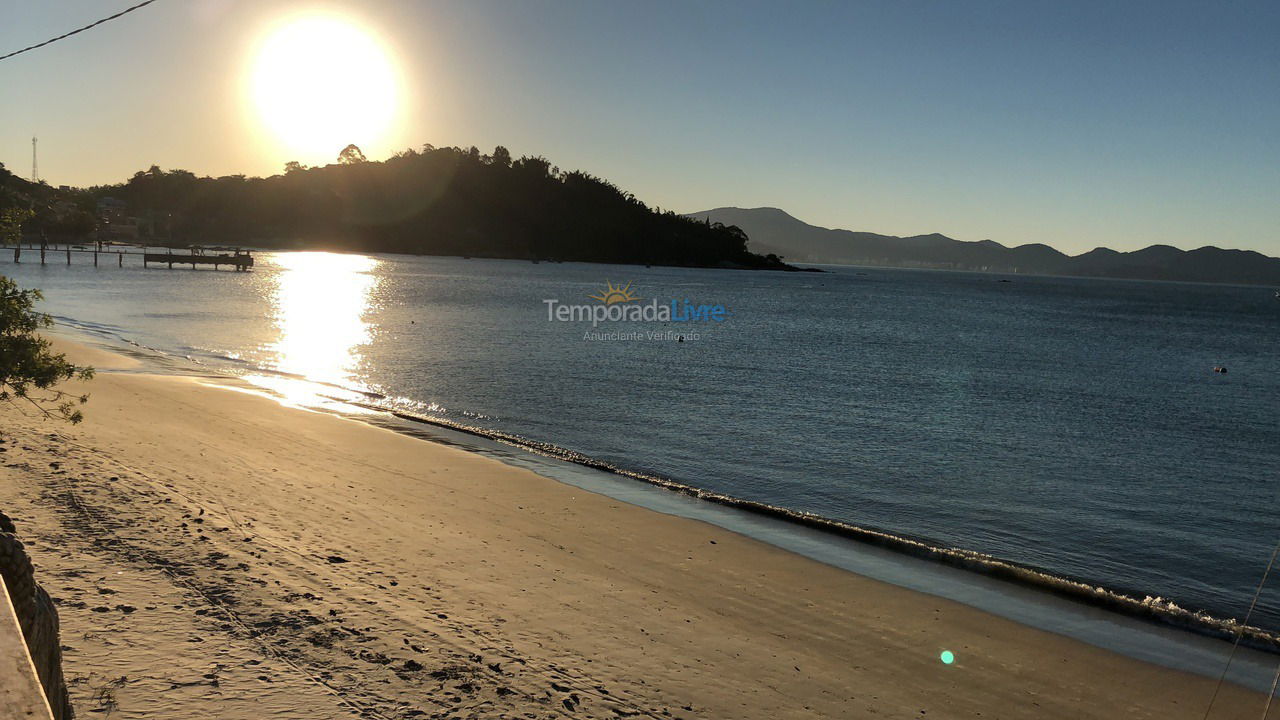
<point x="319" y="83"/>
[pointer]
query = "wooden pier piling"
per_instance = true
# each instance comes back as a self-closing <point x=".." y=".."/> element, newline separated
<point x="235" y="258"/>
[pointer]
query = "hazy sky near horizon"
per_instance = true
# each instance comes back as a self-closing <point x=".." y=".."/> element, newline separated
<point x="1073" y="124"/>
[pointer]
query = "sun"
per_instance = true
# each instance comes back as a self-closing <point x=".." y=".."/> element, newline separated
<point x="320" y="82"/>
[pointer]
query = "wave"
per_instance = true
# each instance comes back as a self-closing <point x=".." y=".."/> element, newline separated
<point x="1151" y="608"/>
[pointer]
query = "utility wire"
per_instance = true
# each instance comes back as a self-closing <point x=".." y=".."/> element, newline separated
<point x="1240" y="633"/>
<point x="64" y="36"/>
<point x="1271" y="695"/>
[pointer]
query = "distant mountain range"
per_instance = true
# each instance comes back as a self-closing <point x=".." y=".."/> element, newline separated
<point x="771" y="230"/>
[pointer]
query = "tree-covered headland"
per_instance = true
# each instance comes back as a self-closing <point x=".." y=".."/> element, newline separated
<point x="435" y="201"/>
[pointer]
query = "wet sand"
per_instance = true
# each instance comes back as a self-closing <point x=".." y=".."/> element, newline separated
<point x="215" y="554"/>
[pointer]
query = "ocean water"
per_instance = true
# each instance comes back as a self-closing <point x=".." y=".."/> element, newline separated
<point x="1073" y="426"/>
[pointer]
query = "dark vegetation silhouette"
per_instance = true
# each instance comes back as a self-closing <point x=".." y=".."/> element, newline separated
<point x="35" y="208"/>
<point x="29" y="369"/>
<point x="434" y="201"/>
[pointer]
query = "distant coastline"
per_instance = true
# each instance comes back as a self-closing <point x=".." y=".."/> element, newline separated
<point x="774" y="231"/>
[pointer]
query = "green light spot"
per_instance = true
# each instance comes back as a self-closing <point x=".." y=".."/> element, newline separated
<point x="947" y="657"/>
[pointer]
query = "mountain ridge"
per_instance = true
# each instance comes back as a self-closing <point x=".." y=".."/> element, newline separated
<point x="773" y="230"/>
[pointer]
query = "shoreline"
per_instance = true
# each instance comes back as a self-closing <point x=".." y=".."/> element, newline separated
<point x="1158" y="611"/>
<point x="1135" y="635"/>
<point x="234" y="510"/>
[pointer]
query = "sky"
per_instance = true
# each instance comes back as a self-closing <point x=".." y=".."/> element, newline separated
<point x="1079" y="124"/>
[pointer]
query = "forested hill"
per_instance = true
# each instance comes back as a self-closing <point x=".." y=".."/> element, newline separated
<point x="437" y="201"/>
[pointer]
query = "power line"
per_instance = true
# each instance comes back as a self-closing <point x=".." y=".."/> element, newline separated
<point x="1270" y="696"/>
<point x="1240" y="633"/>
<point x="64" y="36"/>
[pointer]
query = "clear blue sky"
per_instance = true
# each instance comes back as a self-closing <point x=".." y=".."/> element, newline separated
<point x="1076" y="124"/>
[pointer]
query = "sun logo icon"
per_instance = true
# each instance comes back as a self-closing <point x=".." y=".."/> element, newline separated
<point x="612" y="294"/>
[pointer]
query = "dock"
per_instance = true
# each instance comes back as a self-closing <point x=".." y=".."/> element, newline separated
<point x="235" y="258"/>
<point x="240" y="260"/>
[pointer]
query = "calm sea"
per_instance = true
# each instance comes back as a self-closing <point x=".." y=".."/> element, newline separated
<point x="1071" y="425"/>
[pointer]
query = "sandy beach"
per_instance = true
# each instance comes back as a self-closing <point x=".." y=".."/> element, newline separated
<point x="216" y="554"/>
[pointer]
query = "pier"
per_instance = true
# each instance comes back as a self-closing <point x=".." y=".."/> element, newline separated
<point x="233" y="257"/>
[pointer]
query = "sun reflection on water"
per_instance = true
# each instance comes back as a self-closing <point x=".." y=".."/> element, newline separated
<point x="320" y="305"/>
